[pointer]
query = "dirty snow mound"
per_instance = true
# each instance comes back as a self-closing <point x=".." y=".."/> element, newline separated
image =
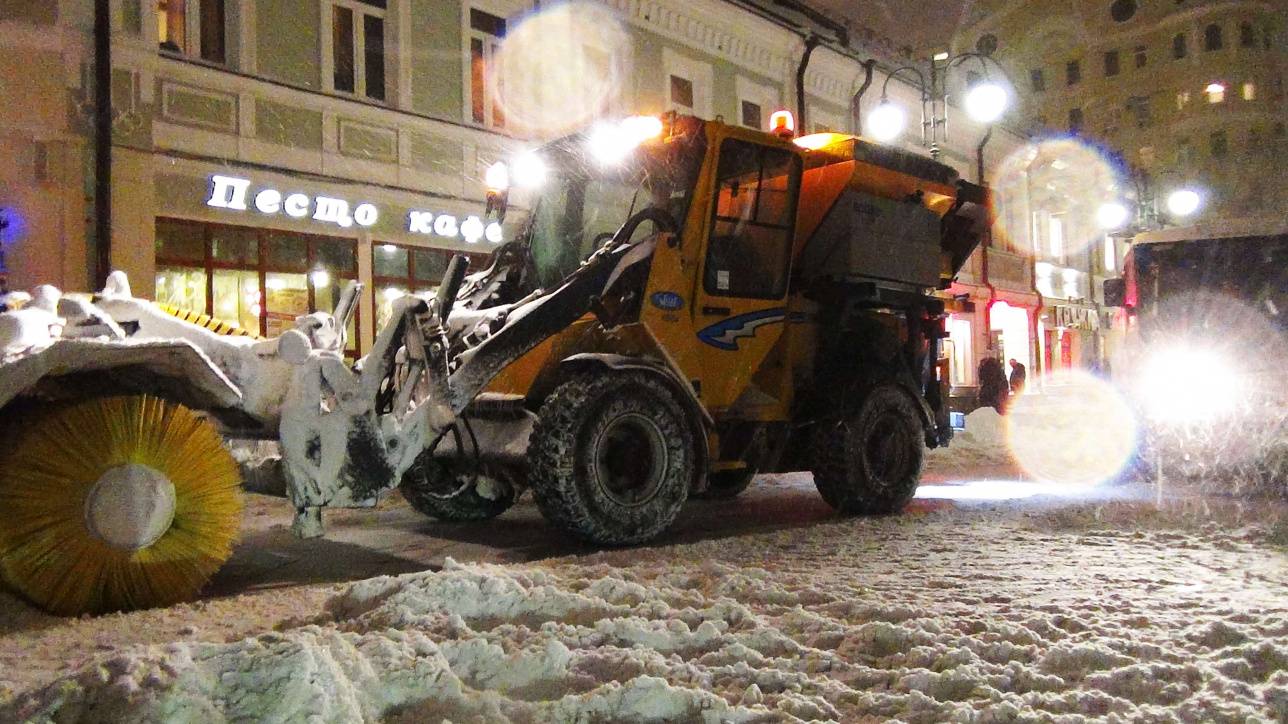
<point x="983" y="442"/>
<point x="959" y="619"/>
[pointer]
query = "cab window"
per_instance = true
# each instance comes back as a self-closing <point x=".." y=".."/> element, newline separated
<point x="755" y="213"/>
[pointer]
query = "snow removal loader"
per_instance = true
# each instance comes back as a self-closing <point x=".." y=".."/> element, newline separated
<point x="689" y="303"/>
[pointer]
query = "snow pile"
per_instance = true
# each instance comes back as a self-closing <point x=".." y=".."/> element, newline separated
<point x="983" y="442"/>
<point x="959" y="619"/>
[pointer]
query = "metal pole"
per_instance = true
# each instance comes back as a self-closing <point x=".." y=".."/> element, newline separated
<point x="810" y="43"/>
<point x="102" y="141"/>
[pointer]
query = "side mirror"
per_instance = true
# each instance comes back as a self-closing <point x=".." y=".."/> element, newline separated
<point x="1115" y="292"/>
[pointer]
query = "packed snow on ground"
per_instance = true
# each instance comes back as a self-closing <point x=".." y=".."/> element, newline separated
<point x="983" y="442"/>
<point x="984" y="615"/>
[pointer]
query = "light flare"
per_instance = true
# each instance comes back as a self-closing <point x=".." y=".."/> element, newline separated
<point x="1079" y="432"/>
<point x="560" y="68"/>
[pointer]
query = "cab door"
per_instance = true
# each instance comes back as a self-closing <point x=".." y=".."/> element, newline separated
<point x="738" y="287"/>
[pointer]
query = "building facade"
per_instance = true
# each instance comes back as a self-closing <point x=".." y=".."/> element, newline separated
<point x="264" y="151"/>
<point x="1187" y="93"/>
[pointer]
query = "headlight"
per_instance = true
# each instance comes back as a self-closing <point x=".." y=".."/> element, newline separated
<point x="1188" y="385"/>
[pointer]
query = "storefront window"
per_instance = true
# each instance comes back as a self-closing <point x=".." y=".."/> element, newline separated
<point x="259" y="279"/>
<point x="399" y="270"/>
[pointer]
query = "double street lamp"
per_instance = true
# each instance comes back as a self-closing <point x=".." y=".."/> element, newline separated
<point x="1183" y="202"/>
<point x="986" y="100"/>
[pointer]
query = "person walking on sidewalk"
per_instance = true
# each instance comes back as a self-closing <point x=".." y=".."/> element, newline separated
<point x="1018" y="374"/>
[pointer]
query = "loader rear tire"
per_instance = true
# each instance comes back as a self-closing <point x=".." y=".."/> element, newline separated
<point x="611" y="457"/>
<point x="870" y="462"/>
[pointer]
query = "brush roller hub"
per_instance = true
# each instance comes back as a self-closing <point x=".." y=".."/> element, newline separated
<point x="130" y="506"/>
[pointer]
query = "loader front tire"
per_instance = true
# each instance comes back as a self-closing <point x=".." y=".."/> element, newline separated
<point x="436" y="489"/>
<point x="869" y="462"/>
<point x="611" y="457"/>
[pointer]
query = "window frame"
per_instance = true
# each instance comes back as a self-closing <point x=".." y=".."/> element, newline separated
<point x="1213" y="41"/>
<point x="262" y="267"/>
<point x="1072" y="72"/>
<point x="193" y="46"/>
<point x="1180" y="46"/>
<point x="490" y="44"/>
<point x="789" y="227"/>
<point x="409" y="281"/>
<point x="1113" y="63"/>
<point x="360" y="10"/>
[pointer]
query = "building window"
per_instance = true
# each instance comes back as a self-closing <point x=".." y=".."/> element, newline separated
<point x="1142" y="58"/>
<point x="1055" y="236"/>
<point x="1212" y="37"/>
<point x="397" y="270"/>
<point x="358" y="48"/>
<point x="1122" y="10"/>
<point x="1215" y="93"/>
<point x="1249" y="91"/>
<point x="1075" y="119"/>
<point x="1111" y="63"/>
<point x="1184" y="152"/>
<point x="1218" y="144"/>
<point x="1178" y="46"/>
<point x="257" y="279"/>
<point x="682" y="91"/>
<point x="192" y="27"/>
<point x="751" y="115"/>
<point x="1037" y="80"/>
<point x="486" y="33"/>
<point x="1182" y="99"/>
<point x="1138" y="107"/>
<point x="1072" y="72"/>
<point x="1247" y="37"/>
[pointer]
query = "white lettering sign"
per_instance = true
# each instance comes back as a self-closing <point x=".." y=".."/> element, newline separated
<point x="335" y="211"/>
<point x="445" y="225"/>
<point x="231" y="192"/>
<point x="268" y="201"/>
<point x="297" y="206"/>
<point x="472" y="229"/>
<point x="419" y="222"/>
<point x="365" y="214"/>
<point x="227" y="192"/>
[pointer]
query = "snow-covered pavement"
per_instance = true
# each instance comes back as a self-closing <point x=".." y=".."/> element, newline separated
<point x="1029" y="609"/>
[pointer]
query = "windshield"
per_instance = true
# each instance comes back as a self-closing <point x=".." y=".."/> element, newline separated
<point x="1252" y="270"/>
<point x="583" y="201"/>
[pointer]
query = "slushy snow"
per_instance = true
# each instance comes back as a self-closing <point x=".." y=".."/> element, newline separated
<point x="933" y="616"/>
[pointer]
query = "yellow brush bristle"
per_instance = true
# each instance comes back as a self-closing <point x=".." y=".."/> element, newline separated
<point x="48" y="553"/>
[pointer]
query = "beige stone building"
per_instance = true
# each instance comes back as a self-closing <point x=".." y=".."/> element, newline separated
<point x="1185" y="92"/>
<point x="265" y="150"/>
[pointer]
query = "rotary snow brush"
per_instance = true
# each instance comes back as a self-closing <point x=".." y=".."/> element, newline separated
<point x="115" y="503"/>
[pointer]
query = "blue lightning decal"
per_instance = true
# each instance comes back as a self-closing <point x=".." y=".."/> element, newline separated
<point x="726" y="333"/>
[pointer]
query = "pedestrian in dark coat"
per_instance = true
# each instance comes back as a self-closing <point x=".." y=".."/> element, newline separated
<point x="1019" y="373"/>
<point x="993" y="389"/>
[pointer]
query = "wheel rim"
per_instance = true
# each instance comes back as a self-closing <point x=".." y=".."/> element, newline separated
<point x="886" y="451"/>
<point x="630" y="459"/>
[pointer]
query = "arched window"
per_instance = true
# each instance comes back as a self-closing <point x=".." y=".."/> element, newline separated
<point x="1247" y="38"/>
<point x="1212" y="37"/>
<point x="1178" y="46"/>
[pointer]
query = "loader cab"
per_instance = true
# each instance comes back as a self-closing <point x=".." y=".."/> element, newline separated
<point x="595" y="181"/>
<point x="716" y="299"/>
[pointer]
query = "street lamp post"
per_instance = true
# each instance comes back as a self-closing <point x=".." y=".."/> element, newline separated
<point x="1184" y="200"/>
<point x="985" y="100"/>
